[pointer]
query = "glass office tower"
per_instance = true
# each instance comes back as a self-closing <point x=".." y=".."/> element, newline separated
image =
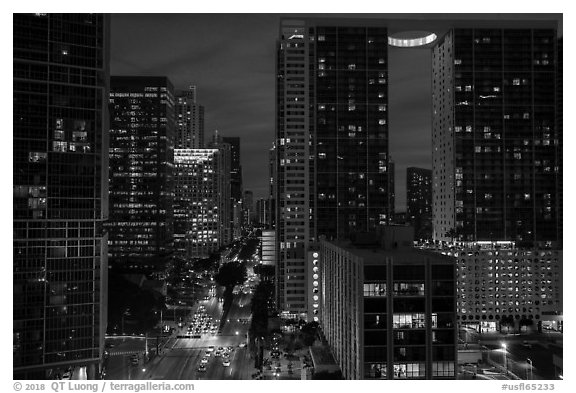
<point x="141" y="171"/>
<point x="60" y="193"/>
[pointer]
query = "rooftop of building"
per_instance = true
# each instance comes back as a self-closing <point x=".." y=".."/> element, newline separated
<point x="374" y="253"/>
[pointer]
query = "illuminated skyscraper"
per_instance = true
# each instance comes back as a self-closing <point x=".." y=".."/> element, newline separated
<point x="496" y="169"/>
<point x="141" y="171"/>
<point x="331" y="140"/>
<point x="60" y="193"/>
<point x="495" y="139"/>
<point x="200" y="219"/>
<point x="189" y="121"/>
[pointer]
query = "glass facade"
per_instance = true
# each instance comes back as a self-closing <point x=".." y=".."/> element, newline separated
<point x="422" y="318"/>
<point x="60" y="194"/>
<point x="331" y="140"/>
<point x="505" y="140"/>
<point x="350" y="68"/>
<point x="141" y="170"/>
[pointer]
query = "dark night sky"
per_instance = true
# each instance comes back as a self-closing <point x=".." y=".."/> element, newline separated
<point x="231" y="59"/>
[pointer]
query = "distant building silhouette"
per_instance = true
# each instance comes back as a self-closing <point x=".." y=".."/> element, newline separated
<point x="236" y="186"/>
<point x="235" y="167"/>
<point x="419" y="201"/>
<point x="248" y="206"/>
<point x="225" y="173"/>
<point x="189" y="121"/>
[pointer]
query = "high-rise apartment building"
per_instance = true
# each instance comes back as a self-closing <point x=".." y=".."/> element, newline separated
<point x="331" y="140"/>
<point x="419" y="201"/>
<point x="60" y="147"/>
<point x="189" y="121"/>
<point x="272" y="185"/>
<point x="141" y="171"/>
<point x="391" y="189"/>
<point x="495" y="138"/>
<point x="560" y="127"/>
<point x="200" y="219"/>
<point x="506" y="288"/>
<point x="388" y="311"/>
<point x="497" y="170"/>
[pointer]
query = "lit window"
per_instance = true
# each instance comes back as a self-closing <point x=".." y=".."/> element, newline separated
<point x="37" y="156"/>
<point x="59" y="146"/>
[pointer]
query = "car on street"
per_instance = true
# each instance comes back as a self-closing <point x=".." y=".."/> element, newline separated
<point x="202" y="368"/>
<point x="204" y="361"/>
<point x="217" y="353"/>
<point x="211" y="348"/>
<point x="241" y="345"/>
<point x="226" y="363"/>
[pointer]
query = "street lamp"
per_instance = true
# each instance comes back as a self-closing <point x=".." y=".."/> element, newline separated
<point x="505" y="358"/>
<point x="529" y="361"/>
